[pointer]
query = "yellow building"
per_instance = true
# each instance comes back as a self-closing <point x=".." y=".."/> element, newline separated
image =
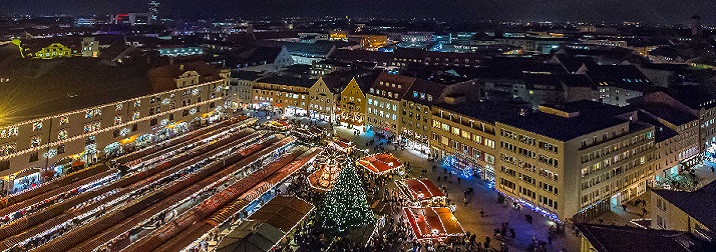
<point x="352" y="105"/>
<point x="369" y="41"/>
<point x="685" y="211"/>
<point x="463" y="135"/>
<point x="283" y="94"/>
<point x="338" y="35"/>
<point x="576" y="160"/>
<point x="54" y="50"/>
<point x="323" y="99"/>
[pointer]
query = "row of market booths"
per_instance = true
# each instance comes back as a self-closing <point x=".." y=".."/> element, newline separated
<point x="430" y="217"/>
<point x="270" y="227"/>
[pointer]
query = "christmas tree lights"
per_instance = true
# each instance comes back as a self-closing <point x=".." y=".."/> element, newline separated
<point x="345" y="206"/>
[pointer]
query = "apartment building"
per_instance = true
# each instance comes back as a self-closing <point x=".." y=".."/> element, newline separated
<point x="384" y="101"/>
<point x="415" y="106"/>
<point x="101" y="116"/>
<point x="463" y="133"/>
<point x="677" y="133"/>
<point x="323" y="99"/>
<point x="576" y="160"/>
<point x="282" y="94"/>
<point x="240" y="88"/>
<point x="685" y="211"/>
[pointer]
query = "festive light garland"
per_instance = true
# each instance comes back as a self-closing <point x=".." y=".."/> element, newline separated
<point x="85" y="135"/>
<point x="346" y="205"/>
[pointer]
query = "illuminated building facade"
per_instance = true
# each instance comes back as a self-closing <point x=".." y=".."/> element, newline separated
<point x="323" y="99"/>
<point x="282" y="94"/>
<point x="353" y="105"/>
<point x="576" y="160"/>
<point x="54" y="50"/>
<point x="384" y="101"/>
<point x="45" y="146"/>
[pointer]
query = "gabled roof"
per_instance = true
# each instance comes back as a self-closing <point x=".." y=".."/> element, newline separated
<point x="577" y="80"/>
<point x="389" y="79"/>
<point x="420" y="87"/>
<point x="627" y="239"/>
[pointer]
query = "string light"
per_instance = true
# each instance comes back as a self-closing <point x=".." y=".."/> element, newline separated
<point x="346" y="205"/>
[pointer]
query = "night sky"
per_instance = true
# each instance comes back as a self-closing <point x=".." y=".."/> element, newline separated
<point x="648" y="11"/>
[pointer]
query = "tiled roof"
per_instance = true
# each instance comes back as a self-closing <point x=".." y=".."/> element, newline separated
<point x="44" y="88"/>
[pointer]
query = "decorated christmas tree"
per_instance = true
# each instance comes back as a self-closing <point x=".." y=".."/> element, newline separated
<point x="345" y="206"/>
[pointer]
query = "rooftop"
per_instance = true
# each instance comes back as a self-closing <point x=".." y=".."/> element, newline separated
<point x="287" y="80"/>
<point x="486" y="111"/>
<point x="43" y="88"/>
<point x="590" y="117"/>
<point x="700" y="204"/>
<point x="622" y="239"/>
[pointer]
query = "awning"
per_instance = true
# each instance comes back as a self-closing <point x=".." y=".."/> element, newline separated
<point x="433" y="222"/>
<point x="251" y="236"/>
<point x="420" y="189"/>
<point x="380" y="163"/>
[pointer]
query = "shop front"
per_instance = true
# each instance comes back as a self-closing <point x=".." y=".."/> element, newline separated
<point x="26" y="179"/>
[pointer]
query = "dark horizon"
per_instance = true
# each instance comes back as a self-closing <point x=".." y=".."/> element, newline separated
<point x="613" y="11"/>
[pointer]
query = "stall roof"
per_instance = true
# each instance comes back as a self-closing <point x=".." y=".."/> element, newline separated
<point x="251" y="236"/>
<point x="283" y="212"/>
<point x="424" y="186"/>
<point x="380" y="163"/>
<point x="433" y="222"/>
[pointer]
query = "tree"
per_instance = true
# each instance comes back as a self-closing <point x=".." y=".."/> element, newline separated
<point x="345" y="206"/>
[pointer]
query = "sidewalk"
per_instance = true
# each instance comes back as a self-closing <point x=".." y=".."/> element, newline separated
<point x="484" y="199"/>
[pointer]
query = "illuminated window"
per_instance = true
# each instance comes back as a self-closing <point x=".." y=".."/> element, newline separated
<point x="64" y="120"/>
<point x="118" y="107"/>
<point x="137" y="103"/>
<point x="35" y="141"/>
<point x="62" y="134"/>
<point x="117" y="120"/>
<point x="136" y="115"/>
<point x="36" y="126"/>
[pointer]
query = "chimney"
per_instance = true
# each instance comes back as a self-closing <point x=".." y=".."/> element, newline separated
<point x="181" y="67"/>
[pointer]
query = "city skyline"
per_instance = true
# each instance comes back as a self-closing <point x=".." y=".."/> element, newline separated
<point x="648" y="12"/>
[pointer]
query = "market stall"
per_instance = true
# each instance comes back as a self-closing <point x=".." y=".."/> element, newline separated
<point x="277" y="125"/>
<point x="329" y="164"/>
<point x="422" y="192"/>
<point x="342" y="144"/>
<point x="380" y="163"/>
<point x="429" y="223"/>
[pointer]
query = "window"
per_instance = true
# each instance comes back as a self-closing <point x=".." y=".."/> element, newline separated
<point x="64" y="120"/>
<point x="62" y="134"/>
<point x="61" y="149"/>
<point x="117" y="120"/>
<point x="136" y="115"/>
<point x="36" y="126"/>
<point x="34" y="157"/>
<point x="35" y="141"/>
<point x="137" y="103"/>
<point x="153" y="122"/>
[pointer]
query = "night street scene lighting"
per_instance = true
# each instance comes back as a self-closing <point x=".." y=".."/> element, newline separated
<point x="357" y="126"/>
